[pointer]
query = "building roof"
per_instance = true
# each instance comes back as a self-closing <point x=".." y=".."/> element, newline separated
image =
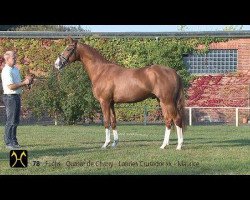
<point x="77" y="35"/>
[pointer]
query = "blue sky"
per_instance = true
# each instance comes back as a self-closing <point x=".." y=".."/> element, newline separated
<point x="155" y="28"/>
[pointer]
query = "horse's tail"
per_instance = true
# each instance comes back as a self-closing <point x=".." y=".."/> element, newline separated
<point x="180" y="102"/>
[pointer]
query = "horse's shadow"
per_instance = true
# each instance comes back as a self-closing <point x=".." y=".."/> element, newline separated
<point x="86" y="147"/>
<point x="143" y="142"/>
<point x="128" y="143"/>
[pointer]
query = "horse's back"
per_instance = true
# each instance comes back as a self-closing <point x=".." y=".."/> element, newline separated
<point x="150" y="76"/>
<point x="162" y="69"/>
<point x="161" y="73"/>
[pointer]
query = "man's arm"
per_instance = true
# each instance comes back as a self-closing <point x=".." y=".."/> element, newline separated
<point x="15" y="86"/>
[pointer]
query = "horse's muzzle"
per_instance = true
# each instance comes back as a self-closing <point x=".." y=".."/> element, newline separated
<point x="58" y="64"/>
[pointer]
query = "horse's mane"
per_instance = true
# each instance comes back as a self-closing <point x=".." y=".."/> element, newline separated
<point x="93" y="52"/>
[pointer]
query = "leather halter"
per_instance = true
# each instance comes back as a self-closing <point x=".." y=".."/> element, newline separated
<point x="65" y="60"/>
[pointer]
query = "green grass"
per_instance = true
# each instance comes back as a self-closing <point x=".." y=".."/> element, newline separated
<point x="207" y="150"/>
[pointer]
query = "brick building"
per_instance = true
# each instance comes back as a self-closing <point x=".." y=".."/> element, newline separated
<point x="224" y="84"/>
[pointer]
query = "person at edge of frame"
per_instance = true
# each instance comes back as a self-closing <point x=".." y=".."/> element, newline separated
<point x="12" y="89"/>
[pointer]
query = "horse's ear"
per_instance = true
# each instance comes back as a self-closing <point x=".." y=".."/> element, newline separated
<point x="70" y="39"/>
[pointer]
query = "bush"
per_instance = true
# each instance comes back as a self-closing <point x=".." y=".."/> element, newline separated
<point x="65" y="94"/>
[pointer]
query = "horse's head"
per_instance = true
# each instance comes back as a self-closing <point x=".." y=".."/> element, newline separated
<point x="68" y="55"/>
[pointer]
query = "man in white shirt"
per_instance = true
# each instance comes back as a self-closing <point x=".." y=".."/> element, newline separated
<point x="12" y="88"/>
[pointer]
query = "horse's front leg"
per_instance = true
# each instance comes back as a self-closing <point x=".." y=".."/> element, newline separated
<point x="113" y="124"/>
<point x="105" y="105"/>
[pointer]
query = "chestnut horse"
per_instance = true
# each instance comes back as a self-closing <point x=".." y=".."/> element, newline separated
<point x="112" y="83"/>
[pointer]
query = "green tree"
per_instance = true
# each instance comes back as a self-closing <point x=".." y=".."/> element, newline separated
<point x="77" y="102"/>
<point x="44" y="96"/>
<point x="66" y="95"/>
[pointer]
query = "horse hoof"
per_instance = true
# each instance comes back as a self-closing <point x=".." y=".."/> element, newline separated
<point x="115" y="143"/>
<point x="163" y="146"/>
<point x="105" y="145"/>
<point x="178" y="148"/>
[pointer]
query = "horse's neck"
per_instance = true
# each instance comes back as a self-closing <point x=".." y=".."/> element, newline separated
<point x="92" y="60"/>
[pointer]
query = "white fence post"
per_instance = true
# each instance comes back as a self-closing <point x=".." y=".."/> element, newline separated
<point x="55" y="119"/>
<point x="190" y="116"/>
<point x="237" y="116"/>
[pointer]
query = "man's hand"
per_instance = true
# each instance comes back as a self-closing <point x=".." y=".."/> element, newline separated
<point x="26" y="81"/>
<point x="29" y="79"/>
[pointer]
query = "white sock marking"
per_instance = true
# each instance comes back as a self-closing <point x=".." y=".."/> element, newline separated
<point x="107" y="141"/>
<point x="166" y="138"/>
<point x="115" y="134"/>
<point x="180" y="137"/>
<point x="115" y="138"/>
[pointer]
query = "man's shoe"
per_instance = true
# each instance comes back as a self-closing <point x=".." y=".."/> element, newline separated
<point x="16" y="146"/>
<point x="9" y="146"/>
<point x="13" y="146"/>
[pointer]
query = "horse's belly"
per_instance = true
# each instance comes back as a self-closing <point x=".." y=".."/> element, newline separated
<point x="130" y="96"/>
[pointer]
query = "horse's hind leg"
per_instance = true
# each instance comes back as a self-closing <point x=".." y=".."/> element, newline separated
<point x="178" y="124"/>
<point x="166" y="111"/>
<point x="106" y="115"/>
<point x="113" y="124"/>
<point x="170" y="114"/>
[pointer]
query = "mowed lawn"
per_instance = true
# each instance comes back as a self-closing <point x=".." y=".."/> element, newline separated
<point x="76" y="150"/>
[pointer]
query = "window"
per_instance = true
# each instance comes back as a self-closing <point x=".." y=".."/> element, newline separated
<point x="213" y="62"/>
